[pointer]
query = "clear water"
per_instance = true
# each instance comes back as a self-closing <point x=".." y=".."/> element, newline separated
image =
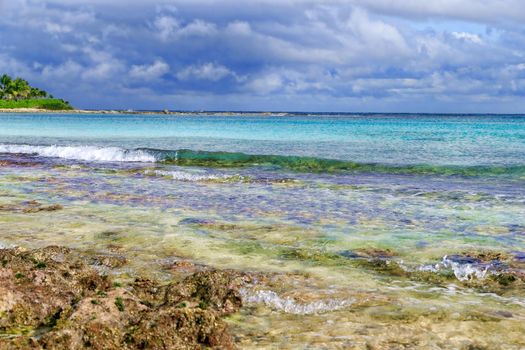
<point x="425" y="194"/>
<point x="390" y="139"/>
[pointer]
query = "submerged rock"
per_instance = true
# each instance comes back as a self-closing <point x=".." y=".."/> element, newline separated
<point x="17" y="163"/>
<point x="384" y="267"/>
<point x="39" y="208"/>
<point x="485" y="271"/>
<point x="375" y="253"/>
<point x="112" y="261"/>
<point x="30" y="207"/>
<point x="51" y="298"/>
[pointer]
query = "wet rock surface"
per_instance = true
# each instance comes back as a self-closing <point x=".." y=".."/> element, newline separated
<point x="50" y="298"/>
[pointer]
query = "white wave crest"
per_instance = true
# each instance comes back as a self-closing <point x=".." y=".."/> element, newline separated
<point x="289" y="305"/>
<point x="84" y="153"/>
<point x="194" y="177"/>
<point x="184" y="176"/>
<point x="468" y="271"/>
<point x="463" y="271"/>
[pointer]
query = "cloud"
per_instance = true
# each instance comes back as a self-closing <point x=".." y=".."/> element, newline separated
<point x="471" y="10"/>
<point x="266" y="83"/>
<point x="63" y="71"/>
<point x="149" y="72"/>
<point x="467" y="37"/>
<point x="166" y="26"/>
<point x="208" y="71"/>
<point x="286" y="54"/>
<point x="57" y="28"/>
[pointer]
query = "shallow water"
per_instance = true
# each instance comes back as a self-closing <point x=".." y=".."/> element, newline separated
<point x="365" y="234"/>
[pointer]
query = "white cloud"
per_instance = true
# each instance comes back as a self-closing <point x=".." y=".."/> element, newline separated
<point x="64" y="71"/>
<point x="362" y="49"/>
<point x="374" y="37"/>
<point x="56" y="28"/>
<point x="474" y="10"/>
<point x="239" y="28"/>
<point x="467" y="37"/>
<point x="103" y="66"/>
<point x="166" y="26"/>
<point x="266" y="83"/>
<point x="198" y="27"/>
<point x="103" y="71"/>
<point x="208" y="71"/>
<point x="149" y="72"/>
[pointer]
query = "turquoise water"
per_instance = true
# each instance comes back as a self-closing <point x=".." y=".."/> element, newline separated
<point x="362" y="221"/>
<point x="387" y="139"/>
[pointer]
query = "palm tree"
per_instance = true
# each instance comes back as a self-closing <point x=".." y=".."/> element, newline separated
<point x="5" y="83"/>
<point x="18" y="89"/>
<point x="37" y="93"/>
<point x="21" y="89"/>
<point x="5" y="80"/>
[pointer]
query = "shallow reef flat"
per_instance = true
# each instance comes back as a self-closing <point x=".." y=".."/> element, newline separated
<point x="353" y="261"/>
<point x="291" y="232"/>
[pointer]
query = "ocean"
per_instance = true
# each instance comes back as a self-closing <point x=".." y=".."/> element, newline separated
<point x="374" y="227"/>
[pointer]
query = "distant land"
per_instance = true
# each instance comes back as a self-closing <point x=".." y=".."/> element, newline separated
<point x="17" y="95"/>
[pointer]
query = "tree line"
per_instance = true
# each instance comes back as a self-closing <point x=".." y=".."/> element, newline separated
<point x="19" y="89"/>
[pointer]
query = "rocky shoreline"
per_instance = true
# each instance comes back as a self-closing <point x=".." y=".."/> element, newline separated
<point x="51" y="298"/>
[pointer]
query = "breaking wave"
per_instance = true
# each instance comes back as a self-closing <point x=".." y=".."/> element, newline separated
<point x="83" y="153"/>
<point x="185" y="157"/>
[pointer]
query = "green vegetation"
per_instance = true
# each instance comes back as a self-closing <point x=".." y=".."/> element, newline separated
<point x="119" y="303"/>
<point x="17" y="93"/>
<point x="50" y="104"/>
<point x="41" y="265"/>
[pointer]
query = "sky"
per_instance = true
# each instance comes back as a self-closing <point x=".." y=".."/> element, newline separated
<point x="434" y="56"/>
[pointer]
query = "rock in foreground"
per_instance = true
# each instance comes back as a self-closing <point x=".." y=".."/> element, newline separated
<point x="51" y="299"/>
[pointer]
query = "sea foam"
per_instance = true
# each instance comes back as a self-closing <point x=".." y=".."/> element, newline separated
<point x="291" y="306"/>
<point x="185" y="176"/>
<point x="464" y="268"/>
<point x="84" y="153"/>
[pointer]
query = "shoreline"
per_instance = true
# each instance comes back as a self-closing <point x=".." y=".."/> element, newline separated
<point x="129" y="111"/>
<point x="241" y="113"/>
